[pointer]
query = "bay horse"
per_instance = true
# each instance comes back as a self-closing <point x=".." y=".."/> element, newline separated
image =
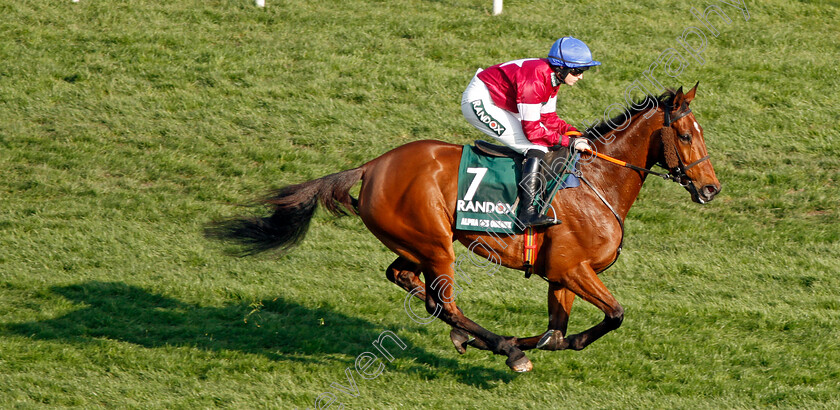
<point x="407" y="200"/>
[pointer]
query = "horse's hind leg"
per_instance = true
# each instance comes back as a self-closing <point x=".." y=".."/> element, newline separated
<point x="440" y="301"/>
<point x="404" y="273"/>
<point x="423" y="235"/>
<point x="437" y="267"/>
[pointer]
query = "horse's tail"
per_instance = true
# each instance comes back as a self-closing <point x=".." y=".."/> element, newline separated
<point x="294" y="207"/>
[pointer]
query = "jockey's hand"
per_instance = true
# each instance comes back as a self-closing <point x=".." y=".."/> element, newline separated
<point x="581" y="144"/>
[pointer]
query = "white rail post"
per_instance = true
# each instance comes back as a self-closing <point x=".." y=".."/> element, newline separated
<point x="497" y="7"/>
<point x="260" y="3"/>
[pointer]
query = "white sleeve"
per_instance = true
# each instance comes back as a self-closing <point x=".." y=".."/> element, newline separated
<point x="529" y="112"/>
<point x="550" y="106"/>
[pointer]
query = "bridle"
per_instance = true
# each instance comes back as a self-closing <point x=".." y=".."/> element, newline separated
<point x="677" y="170"/>
<point x="673" y="163"/>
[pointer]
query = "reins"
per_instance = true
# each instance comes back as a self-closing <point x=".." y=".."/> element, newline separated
<point x="672" y="157"/>
<point x="677" y="174"/>
<point x="619" y="162"/>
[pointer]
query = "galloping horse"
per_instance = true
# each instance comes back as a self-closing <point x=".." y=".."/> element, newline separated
<point x="408" y="199"/>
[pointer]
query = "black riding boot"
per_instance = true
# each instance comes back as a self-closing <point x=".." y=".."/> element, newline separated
<point x="529" y="195"/>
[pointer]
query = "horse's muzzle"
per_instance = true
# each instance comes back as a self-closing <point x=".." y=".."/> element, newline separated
<point x="706" y="193"/>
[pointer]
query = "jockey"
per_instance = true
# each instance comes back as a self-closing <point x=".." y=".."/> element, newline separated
<point x="515" y="104"/>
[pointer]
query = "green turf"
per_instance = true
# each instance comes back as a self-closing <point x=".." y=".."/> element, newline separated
<point x="125" y="126"/>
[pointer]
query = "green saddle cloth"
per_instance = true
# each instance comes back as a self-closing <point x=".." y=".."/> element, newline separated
<point x="488" y="192"/>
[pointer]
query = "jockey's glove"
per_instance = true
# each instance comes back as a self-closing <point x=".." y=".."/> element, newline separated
<point x="581" y="144"/>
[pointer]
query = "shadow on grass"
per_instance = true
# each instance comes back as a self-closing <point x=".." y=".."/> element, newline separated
<point x="280" y="330"/>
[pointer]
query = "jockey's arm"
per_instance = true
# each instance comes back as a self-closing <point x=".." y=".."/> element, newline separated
<point x="548" y="116"/>
<point x="537" y="109"/>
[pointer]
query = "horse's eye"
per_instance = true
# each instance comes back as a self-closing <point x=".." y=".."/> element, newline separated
<point x="685" y="137"/>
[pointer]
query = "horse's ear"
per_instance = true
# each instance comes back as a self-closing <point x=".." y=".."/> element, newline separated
<point x="678" y="97"/>
<point x="690" y="95"/>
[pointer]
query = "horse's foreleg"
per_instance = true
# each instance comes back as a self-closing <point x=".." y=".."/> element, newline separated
<point x="559" y="307"/>
<point x="560" y="301"/>
<point x="584" y="282"/>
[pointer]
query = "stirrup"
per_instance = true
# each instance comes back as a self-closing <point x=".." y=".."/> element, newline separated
<point x="540" y="221"/>
<point x="532" y="219"/>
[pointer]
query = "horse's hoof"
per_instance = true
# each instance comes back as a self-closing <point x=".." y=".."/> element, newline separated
<point x="460" y="339"/>
<point x="519" y="363"/>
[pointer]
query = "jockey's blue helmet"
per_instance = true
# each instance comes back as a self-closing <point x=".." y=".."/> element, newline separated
<point x="570" y="52"/>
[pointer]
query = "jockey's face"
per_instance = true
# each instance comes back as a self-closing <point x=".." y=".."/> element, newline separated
<point x="571" y="79"/>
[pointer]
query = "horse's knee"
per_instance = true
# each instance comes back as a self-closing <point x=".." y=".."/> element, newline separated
<point x="615" y="317"/>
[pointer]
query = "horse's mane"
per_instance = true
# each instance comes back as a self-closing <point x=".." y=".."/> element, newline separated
<point x="604" y="127"/>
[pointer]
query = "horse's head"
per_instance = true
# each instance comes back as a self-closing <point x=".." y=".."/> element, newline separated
<point x="684" y="149"/>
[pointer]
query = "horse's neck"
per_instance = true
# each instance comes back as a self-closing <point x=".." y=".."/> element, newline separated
<point x="619" y="185"/>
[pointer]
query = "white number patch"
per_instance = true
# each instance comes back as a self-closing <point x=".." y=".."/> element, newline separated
<point x="479" y="175"/>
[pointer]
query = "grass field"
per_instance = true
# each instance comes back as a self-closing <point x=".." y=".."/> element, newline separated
<point x="125" y="126"/>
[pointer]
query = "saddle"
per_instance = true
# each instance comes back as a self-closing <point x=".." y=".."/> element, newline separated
<point x="501" y="151"/>
<point x="493" y="150"/>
